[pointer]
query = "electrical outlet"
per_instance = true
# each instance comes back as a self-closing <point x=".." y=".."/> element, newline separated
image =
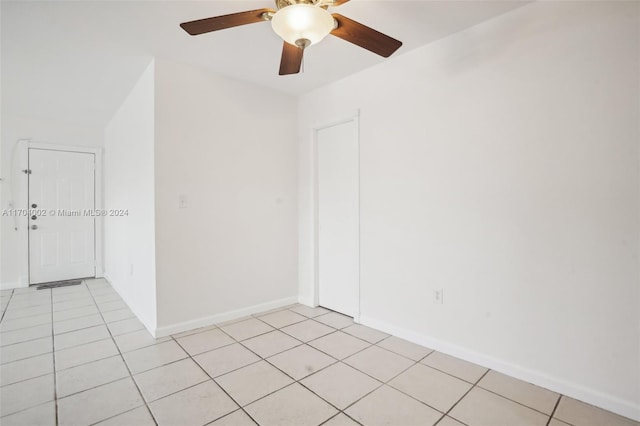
<point x="438" y="296"/>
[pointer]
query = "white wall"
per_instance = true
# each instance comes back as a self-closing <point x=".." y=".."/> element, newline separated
<point x="14" y="255"/>
<point x="231" y="150"/>
<point x="129" y="184"/>
<point x="501" y="164"/>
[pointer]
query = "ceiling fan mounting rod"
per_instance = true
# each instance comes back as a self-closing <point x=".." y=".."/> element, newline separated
<point x="280" y="4"/>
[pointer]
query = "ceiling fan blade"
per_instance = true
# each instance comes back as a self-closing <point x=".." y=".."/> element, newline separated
<point x="216" y="23"/>
<point x="365" y="37"/>
<point x="291" y="59"/>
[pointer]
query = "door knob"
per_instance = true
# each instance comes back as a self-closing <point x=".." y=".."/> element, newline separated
<point x="34" y="227"/>
<point x="34" y="205"/>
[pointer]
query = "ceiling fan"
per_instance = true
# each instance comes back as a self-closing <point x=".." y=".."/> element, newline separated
<point x="301" y="23"/>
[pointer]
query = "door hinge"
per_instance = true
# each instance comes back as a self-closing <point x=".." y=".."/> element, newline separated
<point x="27" y="171"/>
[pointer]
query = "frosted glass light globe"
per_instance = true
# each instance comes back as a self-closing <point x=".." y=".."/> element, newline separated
<point x="302" y="21"/>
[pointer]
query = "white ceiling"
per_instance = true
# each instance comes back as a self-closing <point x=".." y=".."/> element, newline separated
<point x="77" y="60"/>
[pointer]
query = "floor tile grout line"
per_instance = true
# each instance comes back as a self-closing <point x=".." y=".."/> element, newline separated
<point x="465" y="395"/>
<point x="4" y="309"/>
<point x="15" y="307"/>
<point x="267" y="361"/>
<point x="28" y="326"/>
<point x="10" y="318"/>
<point x="441" y="419"/>
<point x="64" y="369"/>
<point x="126" y="366"/>
<point x="340" y="331"/>
<point x="84" y="330"/>
<point x="96" y="386"/>
<point x="28" y="357"/>
<point x="308" y="317"/>
<point x="178" y="391"/>
<point x="195" y="331"/>
<point x="518" y="402"/>
<point x="337" y="361"/>
<point x="239" y="342"/>
<point x="2" y="416"/>
<point x="275" y="329"/>
<point x="248" y="338"/>
<point x="74" y="307"/>
<point x="310" y="340"/>
<point x="227" y="415"/>
<point x="477" y="384"/>
<point x="255" y="316"/>
<point x="382" y="384"/>
<point x="274" y="354"/>
<point x="554" y="409"/>
<point x="257" y="335"/>
<point x="69" y="297"/>
<point x="28" y="340"/>
<point x="53" y="356"/>
<point x="259" y="317"/>
<point x="79" y="316"/>
<point x="453" y="375"/>
<point x="83" y="344"/>
<point x="120" y="353"/>
<point x="340" y="410"/>
<point x="340" y="359"/>
<point x="336" y="415"/>
<point x="52" y="310"/>
<point x="325" y="353"/>
<point x="252" y="337"/>
<point x="316" y="372"/>
<point x="123" y="361"/>
<point x="27" y="379"/>
<point x="124" y="412"/>
<point x="124" y="319"/>
<point x="158" y="366"/>
<point x="216" y="383"/>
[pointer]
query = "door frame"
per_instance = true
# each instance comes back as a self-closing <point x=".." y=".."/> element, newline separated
<point x="98" y="194"/>
<point x="355" y="118"/>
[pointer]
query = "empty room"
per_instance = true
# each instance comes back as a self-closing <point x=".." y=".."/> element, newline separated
<point x="320" y="212"/>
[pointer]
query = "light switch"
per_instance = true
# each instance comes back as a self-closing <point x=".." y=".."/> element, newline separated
<point x="182" y="201"/>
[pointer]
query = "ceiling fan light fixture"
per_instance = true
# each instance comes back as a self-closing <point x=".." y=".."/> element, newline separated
<point x="302" y="24"/>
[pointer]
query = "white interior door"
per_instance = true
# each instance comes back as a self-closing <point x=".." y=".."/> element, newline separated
<point x="338" y="217"/>
<point x="61" y="232"/>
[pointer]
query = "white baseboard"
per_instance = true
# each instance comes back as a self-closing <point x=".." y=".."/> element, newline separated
<point x="573" y="390"/>
<point x="226" y="316"/>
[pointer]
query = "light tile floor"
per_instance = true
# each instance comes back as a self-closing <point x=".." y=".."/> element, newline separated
<point x="78" y="356"/>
